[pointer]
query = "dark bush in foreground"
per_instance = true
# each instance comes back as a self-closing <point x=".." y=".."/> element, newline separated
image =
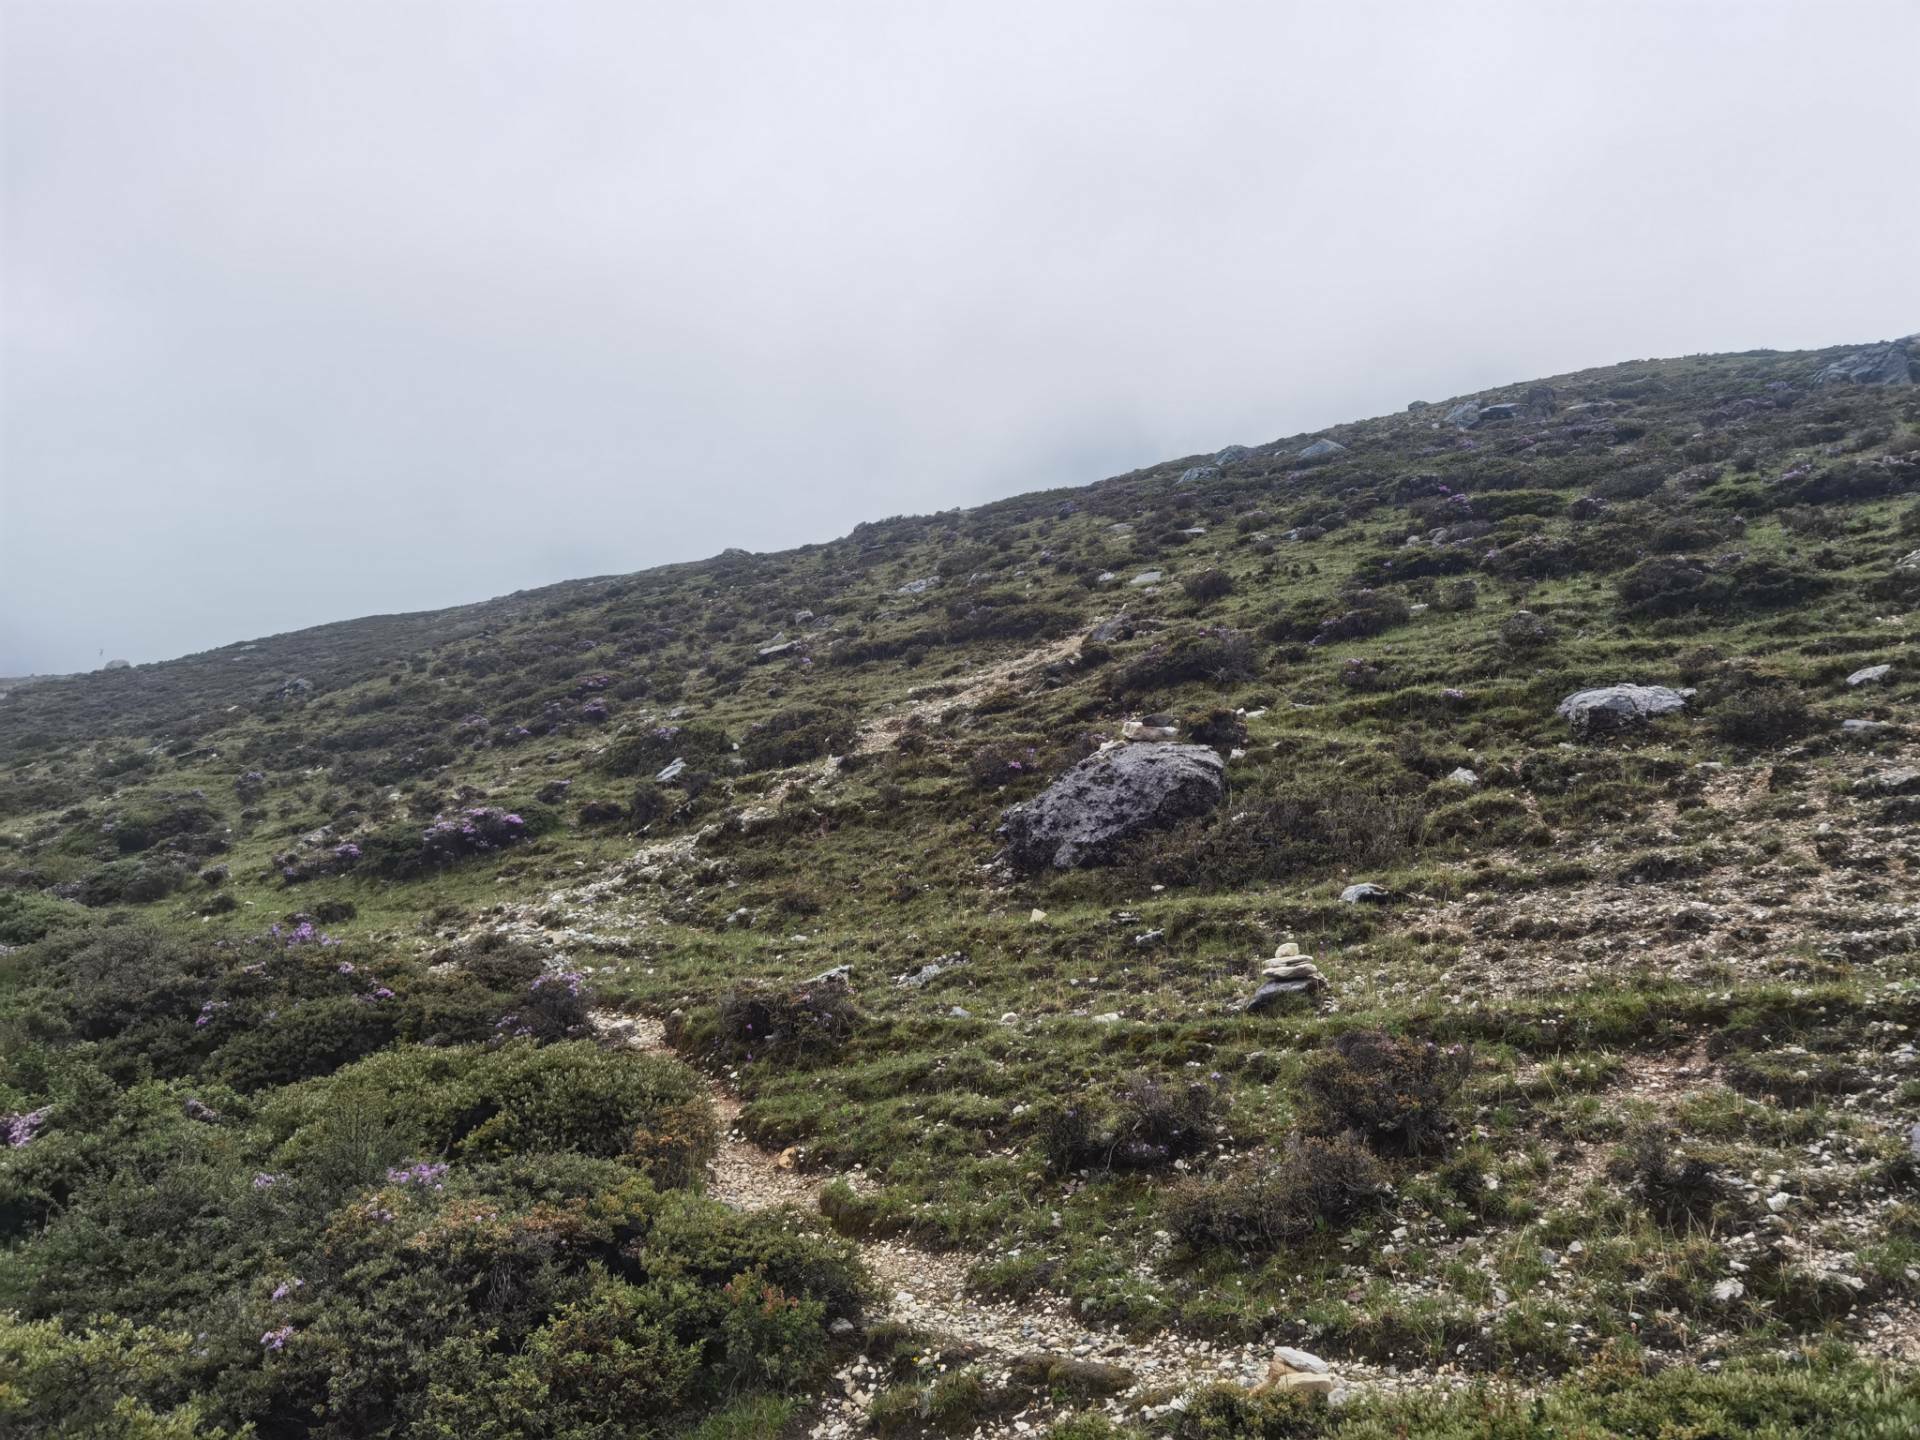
<point x="1762" y="715"/>
<point x="1307" y="825"/>
<point x="1681" y="1190"/>
<point x="1271" y="1200"/>
<point x="1394" y="1093"/>
<point x="792" y="737"/>
<point x="1217" y="656"/>
<point x="701" y="744"/>
<point x="760" y="1023"/>
<point x="1150" y="1123"/>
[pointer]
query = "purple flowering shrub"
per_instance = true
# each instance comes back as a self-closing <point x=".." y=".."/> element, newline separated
<point x="997" y="765"/>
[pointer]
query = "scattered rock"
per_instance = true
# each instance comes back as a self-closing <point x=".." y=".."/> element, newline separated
<point x="1301" y="1361"/>
<point x="1367" y="893"/>
<point x="1461" y="775"/>
<point x="1082" y="1378"/>
<point x="1231" y="453"/>
<point x="1085" y="816"/>
<point x="1866" y="729"/>
<point x="1618" y="707"/>
<point x="672" y="771"/>
<point x="1321" y="449"/>
<point x="932" y="970"/>
<point x="919" y="587"/>
<point x="1148" y="577"/>
<point x="1193" y="474"/>
<point x="1903" y="780"/>
<point x="838" y="975"/>
<point x="1149" y="728"/>
<point x="1871" y="675"/>
<point x="1466" y="415"/>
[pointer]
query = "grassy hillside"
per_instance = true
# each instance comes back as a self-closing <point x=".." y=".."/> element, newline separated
<point x="312" y="945"/>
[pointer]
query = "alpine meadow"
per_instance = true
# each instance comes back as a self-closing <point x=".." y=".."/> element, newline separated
<point x="1406" y="930"/>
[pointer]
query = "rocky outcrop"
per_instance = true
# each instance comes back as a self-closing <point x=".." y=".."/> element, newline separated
<point x="1085" y="816"/>
<point x="1895" y="363"/>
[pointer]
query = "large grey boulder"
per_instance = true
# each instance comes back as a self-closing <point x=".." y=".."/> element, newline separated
<point x="1618" y="707"/>
<point x="1321" y="449"/>
<point x="1895" y="363"/>
<point x="1193" y="474"/>
<point x="1466" y="415"/>
<point x="1085" y="816"/>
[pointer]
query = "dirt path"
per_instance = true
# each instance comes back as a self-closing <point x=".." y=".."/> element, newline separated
<point x="927" y="1289"/>
<point x="882" y="732"/>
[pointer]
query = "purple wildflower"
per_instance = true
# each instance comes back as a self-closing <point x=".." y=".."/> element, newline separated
<point x="423" y="1173"/>
<point x="277" y="1339"/>
<point x="20" y="1129"/>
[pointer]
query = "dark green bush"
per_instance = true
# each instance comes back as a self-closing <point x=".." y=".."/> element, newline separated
<point x="1268" y="1201"/>
<point x="1395" y="1093"/>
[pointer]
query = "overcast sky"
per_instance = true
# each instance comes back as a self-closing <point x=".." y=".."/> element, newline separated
<point x="316" y="308"/>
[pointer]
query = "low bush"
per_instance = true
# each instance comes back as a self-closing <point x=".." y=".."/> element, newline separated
<point x="1681" y="1190"/>
<point x="1217" y="656"/>
<point x="1149" y="1123"/>
<point x="1395" y="1093"/>
<point x="1316" y="1181"/>
<point x="792" y="737"/>
<point x="782" y="1026"/>
<point x="1305" y="825"/>
<point x="647" y="752"/>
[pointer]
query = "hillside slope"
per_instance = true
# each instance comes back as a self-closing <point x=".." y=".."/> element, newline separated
<point x="1605" y="1092"/>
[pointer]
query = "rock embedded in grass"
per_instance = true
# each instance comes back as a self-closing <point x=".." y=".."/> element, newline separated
<point x="1087" y="815"/>
<point x="1611" y="708"/>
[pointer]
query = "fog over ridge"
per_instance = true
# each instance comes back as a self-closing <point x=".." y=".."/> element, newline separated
<point x="320" y="310"/>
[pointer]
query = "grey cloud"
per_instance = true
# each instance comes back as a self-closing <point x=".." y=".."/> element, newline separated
<point x="327" y="308"/>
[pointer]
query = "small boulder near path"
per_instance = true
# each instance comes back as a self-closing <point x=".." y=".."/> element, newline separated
<point x="1091" y="811"/>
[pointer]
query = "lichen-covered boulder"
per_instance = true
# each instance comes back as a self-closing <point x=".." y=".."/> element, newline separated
<point x="1618" y="707"/>
<point x="1085" y="816"/>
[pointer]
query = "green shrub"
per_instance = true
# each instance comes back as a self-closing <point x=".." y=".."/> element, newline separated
<point x="1395" y="1093"/>
<point x="700" y="743"/>
<point x="757" y="1022"/>
<point x="470" y="1104"/>
<point x="792" y="737"/>
<point x="1269" y="1201"/>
